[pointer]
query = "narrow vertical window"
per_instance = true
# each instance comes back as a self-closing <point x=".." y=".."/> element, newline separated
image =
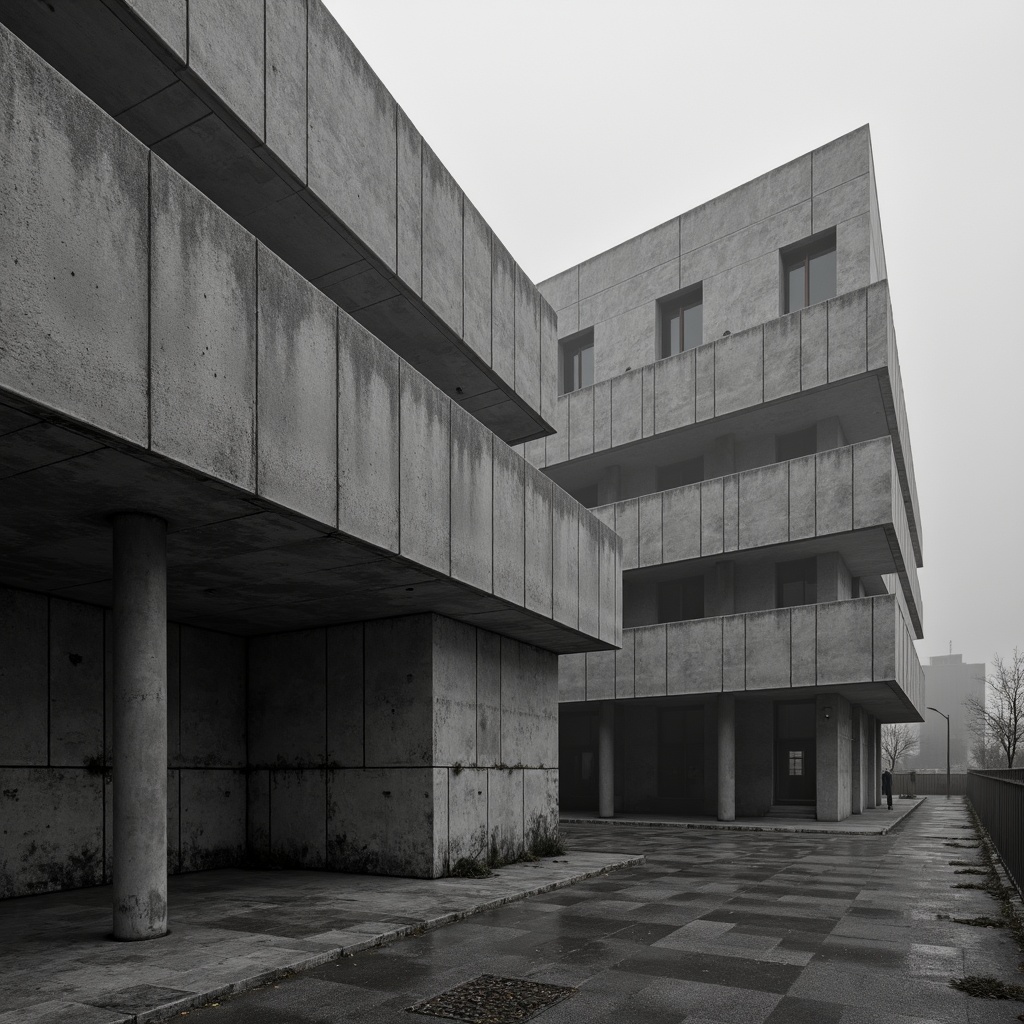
<point x="682" y="322"/>
<point x="578" y="362"/>
<point x="809" y="273"/>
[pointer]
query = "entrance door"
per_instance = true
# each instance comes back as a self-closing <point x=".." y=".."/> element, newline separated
<point x="795" y="753"/>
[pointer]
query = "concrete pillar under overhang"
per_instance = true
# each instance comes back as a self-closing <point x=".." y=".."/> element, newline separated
<point x="140" y="727"/>
<point x="878" y="762"/>
<point x="726" y="757"/>
<point x="871" y="769"/>
<point x="606" y="760"/>
<point x="856" y="761"/>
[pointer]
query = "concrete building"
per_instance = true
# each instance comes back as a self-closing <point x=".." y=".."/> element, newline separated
<point x="274" y="587"/>
<point x="948" y="683"/>
<point x="730" y="402"/>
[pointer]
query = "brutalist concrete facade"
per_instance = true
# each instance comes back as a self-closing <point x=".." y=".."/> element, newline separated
<point x="272" y="581"/>
<point x="771" y="441"/>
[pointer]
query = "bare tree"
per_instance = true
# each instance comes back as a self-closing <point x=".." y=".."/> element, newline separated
<point x="999" y="717"/>
<point x="985" y="752"/>
<point x="898" y="741"/>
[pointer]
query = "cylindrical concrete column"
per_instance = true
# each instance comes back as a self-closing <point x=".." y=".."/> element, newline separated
<point x="606" y="760"/>
<point x="140" y="727"/>
<point x="726" y="757"/>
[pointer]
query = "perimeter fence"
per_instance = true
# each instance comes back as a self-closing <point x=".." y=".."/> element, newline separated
<point x="998" y="799"/>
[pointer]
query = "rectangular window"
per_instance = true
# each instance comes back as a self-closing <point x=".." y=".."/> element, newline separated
<point x="578" y="362"/>
<point x="796" y="583"/>
<point x="677" y="474"/>
<point x="796" y="762"/>
<point x="680" y="600"/>
<point x="796" y="445"/>
<point x="682" y="322"/>
<point x="809" y="273"/>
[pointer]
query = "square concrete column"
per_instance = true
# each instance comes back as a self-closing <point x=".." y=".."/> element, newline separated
<point x="726" y="757"/>
<point x="606" y="760"/>
<point x="140" y="727"/>
<point x="870" y="762"/>
<point x="878" y="763"/>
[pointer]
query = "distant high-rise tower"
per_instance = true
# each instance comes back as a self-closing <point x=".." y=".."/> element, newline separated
<point x="948" y="683"/>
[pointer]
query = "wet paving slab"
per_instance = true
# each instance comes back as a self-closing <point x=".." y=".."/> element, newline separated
<point x="714" y="927"/>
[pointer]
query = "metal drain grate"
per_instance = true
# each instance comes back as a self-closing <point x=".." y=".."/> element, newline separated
<point x="492" y="1000"/>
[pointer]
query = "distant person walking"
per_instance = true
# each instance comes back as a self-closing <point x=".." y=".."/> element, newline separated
<point x="887" y="786"/>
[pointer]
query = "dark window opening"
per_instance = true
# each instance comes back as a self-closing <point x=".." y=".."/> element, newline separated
<point x="680" y="473"/>
<point x="809" y="273"/>
<point x="796" y="445"/>
<point x="586" y="496"/>
<point x="578" y="362"/>
<point x="796" y="583"/>
<point x="679" y="600"/>
<point x="682" y="322"/>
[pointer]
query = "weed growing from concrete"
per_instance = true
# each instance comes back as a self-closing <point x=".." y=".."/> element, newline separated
<point x="988" y="988"/>
<point x="467" y="867"/>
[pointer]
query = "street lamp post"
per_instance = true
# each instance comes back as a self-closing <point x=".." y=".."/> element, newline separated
<point x="946" y="717"/>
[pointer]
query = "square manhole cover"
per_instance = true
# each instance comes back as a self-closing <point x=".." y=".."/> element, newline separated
<point x="492" y="1000"/>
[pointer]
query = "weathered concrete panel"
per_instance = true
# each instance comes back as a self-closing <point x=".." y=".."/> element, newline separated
<point x="505" y="813"/>
<point x="834" y="491"/>
<point x="467" y="814"/>
<point x="23" y="678"/>
<point x="442" y="241"/>
<point x="45" y="860"/>
<point x="695" y="656"/>
<point x="527" y="340"/>
<point x="739" y="371"/>
<point x="764" y="506"/>
<point x="540" y="805"/>
<point x="538" y="541"/>
<point x="623" y="343"/>
<point x="203" y="332"/>
<point x="804" y="646"/>
<point x="476" y="262"/>
<point x="472" y="461"/>
<point x="627" y="414"/>
<point x="368" y="436"/>
<point x="802" y="489"/>
<point x="549" y="363"/>
<point x="674" y="394"/>
<point x="168" y="19"/>
<point x="286" y="699"/>
<point x="625" y="667"/>
<point x="814" y="346"/>
<point x="212" y="819"/>
<point x="609" y="622"/>
<point x="731" y="512"/>
<point x="681" y="523"/>
<point x="212" y="698"/>
<point x="734" y="652"/>
<point x="509" y="513"/>
<point x="529" y="715"/>
<point x="884" y="617"/>
<point x="841" y="160"/>
<point x="628" y="293"/>
<point x="572" y="677"/>
<point x="649" y="645"/>
<point x="873" y="483"/>
<point x="556" y="445"/>
<point x="704" y="375"/>
<point x="742" y="296"/>
<point x="782" y="357"/>
<point x="410" y="204"/>
<point x="425" y="508"/>
<point x="844" y="642"/>
<point x="649" y="509"/>
<point x="627" y="526"/>
<point x="600" y="675"/>
<point x="591" y="530"/>
<point x="345" y="695"/>
<point x="352" y="137"/>
<point x="399" y="680"/>
<point x="454" y="692"/>
<point x="503" y="311"/>
<point x="847" y="335"/>
<point x="651" y="249"/>
<point x="257" y="816"/>
<point x="488" y="697"/>
<point x="602" y="415"/>
<point x="382" y="821"/>
<point x="297" y="802"/>
<point x="226" y="50"/>
<point x="562" y="289"/>
<point x="840" y="203"/>
<point x="853" y="252"/>
<point x="768" y="656"/>
<point x="297" y="394"/>
<point x="73" y="215"/>
<point x="565" y="556"/>
<point x="581" y="422"/>
<point x="76" y="682"/>
<point x="285" y="82"/>
<point x="712" y="516"/>
<point x="878" y="326"/>
<point x="647" y="400"/>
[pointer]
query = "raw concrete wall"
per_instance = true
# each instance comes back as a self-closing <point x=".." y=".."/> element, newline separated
<point x="271" y="111"/>
<point x="212" y="352"/>
<point x="834" y="741"/>
<point x="56" y="746"/>
<point x="755" y="732"/>
<point x="399" y="746"/>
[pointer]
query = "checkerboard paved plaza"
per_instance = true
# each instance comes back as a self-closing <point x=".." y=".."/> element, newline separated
<point x="715" y="927"/>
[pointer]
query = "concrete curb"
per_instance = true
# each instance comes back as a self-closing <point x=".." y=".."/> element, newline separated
<point x="191" y="1002"/>
<point x="721" y="826"/>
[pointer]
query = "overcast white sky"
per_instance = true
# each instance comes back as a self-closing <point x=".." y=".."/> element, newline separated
<point x="575" y="124"/>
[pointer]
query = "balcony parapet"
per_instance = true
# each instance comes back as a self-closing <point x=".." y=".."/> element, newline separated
<point x="832" y="493"/>
<point x="864" y="643"/>
<point x="845" y="338"/>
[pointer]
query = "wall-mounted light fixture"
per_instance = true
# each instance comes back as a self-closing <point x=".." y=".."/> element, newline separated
<point x="828" y="713"/>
